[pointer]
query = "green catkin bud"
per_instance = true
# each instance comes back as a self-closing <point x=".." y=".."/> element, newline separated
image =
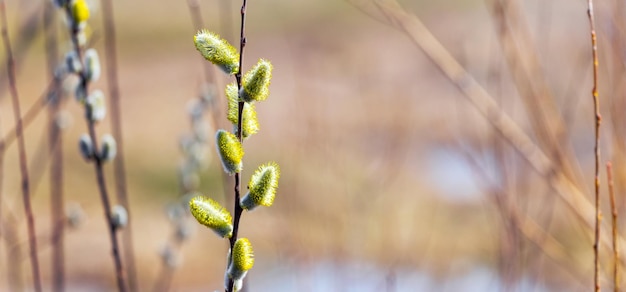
<point x="92" y="65"/>
<point x="262" y="187"/>
<point x="95" y="107"/>
<point x="250" y="123"/>
<point x="211" y="214"/>
<point x="256" y="82"/>
<point x="119" y="217"/>
<point x="230" y="151"/>
<point x="108" y="150"/>
<point x="86" y="147"/>
<point x="242" y="259"/>
<point x="217" y="50"/>
<point x="80" y="11"/>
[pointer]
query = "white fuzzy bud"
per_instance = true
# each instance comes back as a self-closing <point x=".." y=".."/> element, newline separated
<point x="95" y="107"/>
<point x="238" y="285"/>
<point x="80" y="93"/>
<point x="72" y="62"/>
<point x="63" y="120"/>
<point x="119" y="217"/>
<point x="168" y="255"/>
<point x="81" y="37"/>
<point x="75" y="215"/>
<point x="92" y="65"/>
<point x="108" y="150"/>
<point x="86" y="147"/>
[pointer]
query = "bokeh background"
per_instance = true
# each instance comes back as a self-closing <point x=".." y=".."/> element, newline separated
<point x="392" y="180"/>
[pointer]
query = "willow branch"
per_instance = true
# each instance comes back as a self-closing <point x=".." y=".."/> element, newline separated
<point x="237" y="209"/>
<point x="32" y="239"/>
<point x="598" y="120"/>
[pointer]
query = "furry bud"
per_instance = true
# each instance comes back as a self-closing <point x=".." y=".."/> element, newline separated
<point x="108" y="150"/>
<point x="95" y="107"/>
<point x="250" y="123"/>
<point x="217" y="50"/>
<point x="86" y="147"/>
<point x="230" y="151"/>
<point x="119" y="217"/>
<point x="72" y="63"/>
<point x="242" y="259"/>
<point x="92" y="65"/>
<point x="211" y="214"/>
<point x="80" y="11"/>
<point x="256" y="82"/>
<point x="262" y="187"/>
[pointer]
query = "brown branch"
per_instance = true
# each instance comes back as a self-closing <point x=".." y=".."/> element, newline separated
<point x="98" y="163"/>
<point x="237" y="209"/>
<point x="27" y="30"/>
<point x="564" y="187"/>
<point x="616" y="280"/>
<point x="32" y="240"/>
<point x="119" y="164"/>
<point x="598" y="120"/>
<point x="55" y="149"/>
<point x="29" y="116"/>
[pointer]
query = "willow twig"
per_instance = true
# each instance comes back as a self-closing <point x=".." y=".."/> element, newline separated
<point x="119" y="163"/>
<point x="55" y="150"/>
<point x="609" y="175"/>
<point x="32" y="239"/>
<point x="598" y="120"/>
<point x="98" y="164"/>
<point x="28" y="118"/>
<point x="237" y="209"/>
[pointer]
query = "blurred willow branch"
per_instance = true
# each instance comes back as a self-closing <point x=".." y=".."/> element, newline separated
<point x="614" y="228"/>
<point x="391" y="13"/>
<point x="25" y="183"/>
<point x="119" y="163"/>
<point x="598" y="120"/>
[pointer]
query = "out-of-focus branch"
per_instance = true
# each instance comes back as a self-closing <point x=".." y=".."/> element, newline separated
<point x="393" y="14"/>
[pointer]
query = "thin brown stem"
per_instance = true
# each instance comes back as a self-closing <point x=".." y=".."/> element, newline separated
<point x="598" y="120"/>
<point x="55" y="150"/>
<point x="609" y="175"/>
<point x="237" y="209"/>
<point x="119" y="164"/>
<point x="28" y="117"/>
<point x="104" y="196"/>
<point x="32" y="239"/>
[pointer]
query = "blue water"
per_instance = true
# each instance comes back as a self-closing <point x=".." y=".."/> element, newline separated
<point x="356" y="276"/>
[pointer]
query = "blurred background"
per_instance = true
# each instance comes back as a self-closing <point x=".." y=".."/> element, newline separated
<point x="424" y="145"/>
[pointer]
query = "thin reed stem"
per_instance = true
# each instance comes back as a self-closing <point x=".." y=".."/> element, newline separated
<point x="32" y="239"/>
<point x="119" y="163"/>
<point x="237" y="209"/>
<point x="598" y="120"/>
<point x="55" y="150"/>
<point x="616" y="261"/>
